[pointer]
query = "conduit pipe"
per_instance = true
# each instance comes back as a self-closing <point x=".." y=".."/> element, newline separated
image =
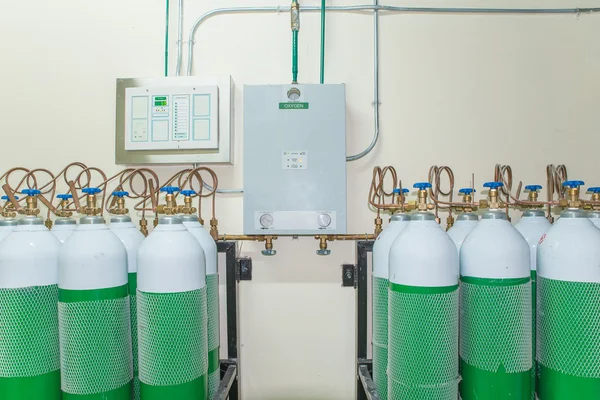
<point x="375" y="7"/>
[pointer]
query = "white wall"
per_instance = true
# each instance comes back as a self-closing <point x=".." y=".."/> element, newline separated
<point x="467" y="91"/>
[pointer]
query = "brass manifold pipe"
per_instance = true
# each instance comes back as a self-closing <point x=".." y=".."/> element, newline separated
<point x="323" y="240"/>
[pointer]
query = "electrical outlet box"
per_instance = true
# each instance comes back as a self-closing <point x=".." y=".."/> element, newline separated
<point x="174" y="120"/>
<point x="294" y="159"/>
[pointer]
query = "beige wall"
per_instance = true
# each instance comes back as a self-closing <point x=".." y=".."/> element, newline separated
<point x="467" y="91"/>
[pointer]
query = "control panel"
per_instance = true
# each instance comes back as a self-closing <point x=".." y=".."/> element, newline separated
<point x="172" y="118"/>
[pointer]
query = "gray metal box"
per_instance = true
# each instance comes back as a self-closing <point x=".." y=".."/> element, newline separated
<point x="295" y="159"/>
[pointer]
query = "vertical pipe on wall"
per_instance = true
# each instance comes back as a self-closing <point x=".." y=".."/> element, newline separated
<point x="167" y="39"/>
<point x="295" y="57"/>
<point x="179" y="36"/>
<point x="322" y="41"/>
<point x="295" y="23"/>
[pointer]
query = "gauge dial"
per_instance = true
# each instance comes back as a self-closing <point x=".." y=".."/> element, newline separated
<point x="266" y="220"/>
<point x="324" y="220"/>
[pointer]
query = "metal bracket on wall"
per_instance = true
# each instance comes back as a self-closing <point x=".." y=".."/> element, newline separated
<point x="349" y="275"/>
<point x="365" y="389"/>
<point x="244" y="270"/>
<point x="229" y="388"/>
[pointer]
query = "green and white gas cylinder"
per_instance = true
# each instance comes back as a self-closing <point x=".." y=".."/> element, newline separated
<point x="381" y="270"/>
<point x="594" y="213"/>
<point x="29" y="353"/>
<point x="132" y="238"/>
<point x="495" y="309"/>
<point x="466" y="221"/>
<point x="423" y="310"/>
<point x="64" y="225"/>
<point x="172" y="316"/>
<point x="209" y="246"/>
<point x="9" y="222"/>
<point x="533" y="225"/>
<point x="568" y="334"/>
<point x="93" y="311"/>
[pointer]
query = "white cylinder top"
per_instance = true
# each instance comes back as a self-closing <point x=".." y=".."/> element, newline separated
<point x="532" y="228"/>
<point x="207" y="242"/>
<point x="570" y="250"/>
<point x="381" y="248"/>
<point x="131" y="238"/>
<point x="494" y="250"/>
<point x="460" y="230"/>
<point x="29" y="257"/>
<point x="423" y="255"/>
<point x="6" y="230"/>
<point x="63" y="232"/>
<point x="171" y="260"/>
<point x="92" y="258"/>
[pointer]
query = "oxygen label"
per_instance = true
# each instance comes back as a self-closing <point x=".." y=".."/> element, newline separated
<point x="293" y="106"/>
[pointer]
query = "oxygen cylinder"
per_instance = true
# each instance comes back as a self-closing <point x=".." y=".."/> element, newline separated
<point x="64" y="225"/>
<point x="532" y="225"/>
<point x="126" y="231"/>
<point x="568" y="338"/>
<point x="29" y="352"/>
<point x="209" y="246"/>
<point x="8" y="224"/>
<point x="594" y="214"/>
<point x="423" y="310"/>
<point x="381" y="267"/>
<point x="465" y="222"/>
<point x="495" y="306"/>
<point x="172" y="318"/>
<point x="93" y="311"/>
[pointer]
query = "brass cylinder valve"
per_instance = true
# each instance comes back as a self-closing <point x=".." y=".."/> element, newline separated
<point x="187" y="208"/>
<point x="8" y="211"/>
<point x="90" y="208"/>
<point x="31" y="207"/>
<point x="119" y="206"/>
<point x="534" y="191"/>
<point x="400" y="198"/>
<point x="421" y="203"/>
<point x="493" y="202"/>
<point x="64" y="203"/>
<point x="170" y="208"/>
<point x="595" y="191"/>
<point x="572" y="200"/>
<point x="467" y="198"/>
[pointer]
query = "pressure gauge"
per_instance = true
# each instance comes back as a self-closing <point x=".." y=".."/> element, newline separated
<point x="324" y="220"/>
<point x="266" y="220"/>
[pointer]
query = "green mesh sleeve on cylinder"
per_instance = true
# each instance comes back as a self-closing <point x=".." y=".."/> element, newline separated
<point x="132" y="278"/>
<point x="380" y="334"/>
<point x="95" y="345"/>
<point x="568" y="327"/>
<point x="495" y="323"/>
<point x="380" y="360"/>
<point x="214" y="338"/>
<point x="214" y="379"/>
<point x="134" y="346"/>
<point x="28" y="331"/>
<point x="423" y="343"/>
<point x="533" y="334"/>
<point x="172" y="337"/>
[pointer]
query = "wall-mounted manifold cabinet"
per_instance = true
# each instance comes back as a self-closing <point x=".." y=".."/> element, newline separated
<point x="174" y="120"/>
<point x="294" y="159"/>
